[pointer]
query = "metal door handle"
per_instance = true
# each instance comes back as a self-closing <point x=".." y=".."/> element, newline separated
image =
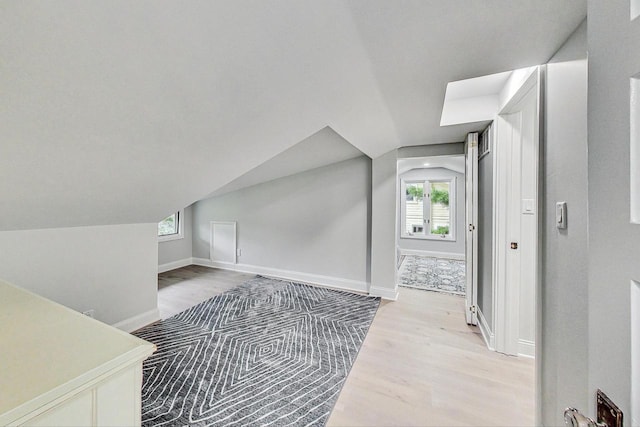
<point x="574" y="418"/>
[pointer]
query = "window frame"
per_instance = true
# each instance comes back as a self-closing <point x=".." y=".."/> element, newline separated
<point x="426" y="212"/>
<point x="179" y="234"/>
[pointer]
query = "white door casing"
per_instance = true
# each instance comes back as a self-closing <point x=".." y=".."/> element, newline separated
<point x="471" y="216"/>
<point x="517" y="159"/>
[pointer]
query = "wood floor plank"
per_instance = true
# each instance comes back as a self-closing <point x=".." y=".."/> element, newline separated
<point x="185" y="287"/>
<point x="420" y="364"/>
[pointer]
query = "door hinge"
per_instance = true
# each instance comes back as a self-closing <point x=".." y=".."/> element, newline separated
<point x="473" y="309"/>
<point x="472" y="227"/>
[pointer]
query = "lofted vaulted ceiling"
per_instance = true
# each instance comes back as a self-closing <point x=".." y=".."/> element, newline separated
<point x="323" y="148"/>
<point x="121" y="112"/>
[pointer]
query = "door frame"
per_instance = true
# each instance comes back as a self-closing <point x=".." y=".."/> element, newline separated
<point x="506" y="298"/>
<point x="471" y="232"/>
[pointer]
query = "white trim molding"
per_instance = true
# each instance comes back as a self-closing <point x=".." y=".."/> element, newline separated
<point x="174" y="264"/>
<point x="526" y="348"/>
<point x="312" y="279"/>
<point x="136" y="322"/>
<point x="384" y="293"/>
<point x="508" y="191"/>
<point x="487" y="333"/>
<point x="447" y="255"/>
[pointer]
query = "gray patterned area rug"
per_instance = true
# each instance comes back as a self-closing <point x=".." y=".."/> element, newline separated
<point x="268" y="352"/>
<point x="433" y="274"/>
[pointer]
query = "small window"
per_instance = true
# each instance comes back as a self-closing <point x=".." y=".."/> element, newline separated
<point x="440" y="219"/>
<point x="414" y="202"/>
<point x="428" y="210"/>
<point x="170" y="228"/>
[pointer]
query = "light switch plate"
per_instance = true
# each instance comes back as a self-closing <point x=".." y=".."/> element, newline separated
<point x="561" y="215"/>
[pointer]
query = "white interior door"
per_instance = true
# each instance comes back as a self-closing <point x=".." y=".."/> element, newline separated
<point x="471" y="209"/>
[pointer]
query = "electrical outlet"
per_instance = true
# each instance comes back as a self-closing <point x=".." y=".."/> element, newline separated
<point x="239" y="252"/>
<point x="607" y="411"/>
<point x="90" y="313"/>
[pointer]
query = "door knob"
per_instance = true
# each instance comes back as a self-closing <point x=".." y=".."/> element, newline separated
<point x="514" y="245"/>
<point x="574" y="418"/>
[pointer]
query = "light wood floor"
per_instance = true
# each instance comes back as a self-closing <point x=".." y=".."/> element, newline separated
<point x="420" y="364"/>
<point x="185" y="287"/>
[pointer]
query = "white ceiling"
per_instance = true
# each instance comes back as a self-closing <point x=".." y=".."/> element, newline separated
<point x="323" y="148"/>
<point x="122" y="112"/>
<point x="417" y="46"/>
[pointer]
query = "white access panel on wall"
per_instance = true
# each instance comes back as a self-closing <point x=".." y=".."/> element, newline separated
<point x="223" y="242"/>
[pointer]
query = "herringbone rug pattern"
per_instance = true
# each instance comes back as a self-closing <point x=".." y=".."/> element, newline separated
<point x="268" y="352"/>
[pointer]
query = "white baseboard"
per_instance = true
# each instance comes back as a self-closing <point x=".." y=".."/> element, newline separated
<point x="175" y="264"/>
<point x="136" y="322"/>
<point x="487" y="333"/>
<point x="314" y="279"/>
<point x="526" y="348"/>
<point x="384" y="293"/>
<point x="447" y="255"/>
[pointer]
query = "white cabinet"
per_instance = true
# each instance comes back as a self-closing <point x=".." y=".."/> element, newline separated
<point x="76" y="411"/>
<point x="60" y="368"/>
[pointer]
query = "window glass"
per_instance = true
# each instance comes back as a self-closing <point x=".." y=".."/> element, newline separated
<point x="440" y="220"/>
<point x="414" y="202"/>
<point x="169" y="225"/>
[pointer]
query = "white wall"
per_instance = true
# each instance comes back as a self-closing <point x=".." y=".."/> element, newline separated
<point x="564" y="311"/>
<point x="485" y="236"/>
<point x="172" y="251"/>
<point x="529" y="138"/>
<point x="431" y="150"/>
<point x="457" y="246"/>
<point x="110" y="269"/>
<point x="614" y="243"/>
<point x="384" y="178"/>
<point x="383" y="225"/>
<point x="315" y="222"/>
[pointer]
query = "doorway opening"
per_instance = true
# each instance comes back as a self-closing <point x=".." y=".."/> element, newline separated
<point x="430" y="240"/>
<point x="498" y="235"/>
